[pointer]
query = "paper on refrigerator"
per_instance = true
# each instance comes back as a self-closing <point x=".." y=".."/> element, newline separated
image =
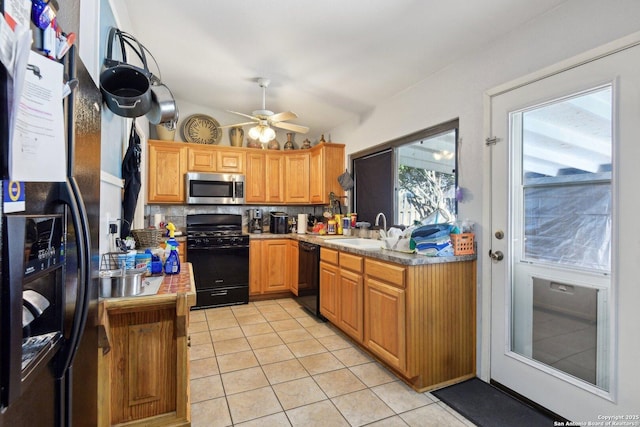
<point x="37" y="151"/>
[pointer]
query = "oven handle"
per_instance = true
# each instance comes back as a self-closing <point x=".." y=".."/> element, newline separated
<point x="219" y="293"/>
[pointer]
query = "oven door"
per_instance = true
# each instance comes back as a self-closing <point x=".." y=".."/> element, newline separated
<point x="221" y="275"/>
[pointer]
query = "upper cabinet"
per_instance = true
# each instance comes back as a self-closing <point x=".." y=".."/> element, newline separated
<point x="215" y="159"/>
<point x="296" y="167"/>
<point x="272" y="177"/>
<point x="327" y="164"/>
<point x="167" y="166"/>
<point x="255" y="184"/>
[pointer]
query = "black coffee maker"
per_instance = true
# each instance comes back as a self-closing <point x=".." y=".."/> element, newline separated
<point x="255" y="220"/>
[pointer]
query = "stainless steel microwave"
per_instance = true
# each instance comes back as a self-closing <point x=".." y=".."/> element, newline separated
<point x="215" y="188"/>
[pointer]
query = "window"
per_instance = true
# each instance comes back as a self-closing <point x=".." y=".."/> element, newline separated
<point x="409" y="178"/>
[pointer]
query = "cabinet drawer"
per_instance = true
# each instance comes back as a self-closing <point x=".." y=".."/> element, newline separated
<point x="390" y="273"/>
<point x="352" y="262"/>
<point x="329" y="255"/>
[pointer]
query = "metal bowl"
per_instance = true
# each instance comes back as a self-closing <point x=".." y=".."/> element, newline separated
<point x="113" y="283"/>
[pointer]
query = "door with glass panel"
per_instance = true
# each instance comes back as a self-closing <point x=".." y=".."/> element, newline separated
<point x="554" y="186"/>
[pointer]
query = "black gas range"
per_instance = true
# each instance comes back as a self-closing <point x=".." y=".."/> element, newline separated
<point x="219" y="254"/>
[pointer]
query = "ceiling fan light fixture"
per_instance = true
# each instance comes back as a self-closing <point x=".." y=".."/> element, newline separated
<point x="262" y="133"/>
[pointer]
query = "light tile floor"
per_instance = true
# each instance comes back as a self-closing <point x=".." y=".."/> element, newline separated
<point x="271" y="363"/>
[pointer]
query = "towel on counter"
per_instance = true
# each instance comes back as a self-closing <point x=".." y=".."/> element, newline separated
<point x="432" y="240"/>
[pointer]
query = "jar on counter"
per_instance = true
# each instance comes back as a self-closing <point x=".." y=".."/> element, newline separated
<point x="331" y="227"/>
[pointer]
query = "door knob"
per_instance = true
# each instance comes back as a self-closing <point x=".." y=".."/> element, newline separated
<point x="496" y="256"/>
<point x="499" y="234"/>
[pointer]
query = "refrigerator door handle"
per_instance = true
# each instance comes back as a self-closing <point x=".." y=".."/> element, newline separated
<point x="70" y="195"/>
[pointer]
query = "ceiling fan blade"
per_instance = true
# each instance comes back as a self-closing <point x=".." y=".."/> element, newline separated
<point x="281" y="117"/>
<point x="291" y="127"/>
<point x="237" y="125"/>
<point x="245" y="115"/>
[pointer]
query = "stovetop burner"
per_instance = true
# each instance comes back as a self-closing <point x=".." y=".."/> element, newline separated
<point x="215" y="230"/>
<point x="213" y="233"/>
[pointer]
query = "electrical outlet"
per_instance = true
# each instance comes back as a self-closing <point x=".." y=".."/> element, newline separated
<point x="113" y="228"/>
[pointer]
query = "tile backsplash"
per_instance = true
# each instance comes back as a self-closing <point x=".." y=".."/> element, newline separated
<point x="177" y="213"/>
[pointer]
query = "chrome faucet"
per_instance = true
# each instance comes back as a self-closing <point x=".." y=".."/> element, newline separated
<point x="384" y="223"/>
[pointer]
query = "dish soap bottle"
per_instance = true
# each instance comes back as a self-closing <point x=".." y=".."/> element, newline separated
<point x="172" y="263"/>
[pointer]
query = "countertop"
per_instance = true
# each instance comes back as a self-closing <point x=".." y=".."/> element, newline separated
<point x="168" y="289"/>
<point x="381" y="254"/>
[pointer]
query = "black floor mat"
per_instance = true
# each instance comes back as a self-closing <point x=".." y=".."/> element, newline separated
<point x="487" y="406"/>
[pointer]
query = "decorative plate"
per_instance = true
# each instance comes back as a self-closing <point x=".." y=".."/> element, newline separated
<point x="201" y="129"/>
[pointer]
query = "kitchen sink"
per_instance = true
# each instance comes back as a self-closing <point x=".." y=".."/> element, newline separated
<point x="359" y="243"/>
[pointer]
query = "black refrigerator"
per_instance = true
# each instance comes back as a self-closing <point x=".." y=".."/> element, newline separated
<point x="49" y="288"/>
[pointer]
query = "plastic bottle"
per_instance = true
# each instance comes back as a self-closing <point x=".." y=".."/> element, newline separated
<point x="172" y="260"/>
<point x="172" y="264"/>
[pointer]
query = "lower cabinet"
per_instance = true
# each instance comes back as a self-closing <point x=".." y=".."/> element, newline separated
<point x="144" y="363"/>
<point x="385" y="313"/>
<point x="273" y="266"/>
<point x="418" y="319"/>
<point x="329" y="285"/>
<point x="292" y="269"/>
<point x="341" y="291"/>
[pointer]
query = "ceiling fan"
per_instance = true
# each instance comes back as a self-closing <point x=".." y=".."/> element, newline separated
<point x="263" y="119"/>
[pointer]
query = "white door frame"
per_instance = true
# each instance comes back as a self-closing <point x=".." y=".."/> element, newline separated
<point x="487" y="238"/>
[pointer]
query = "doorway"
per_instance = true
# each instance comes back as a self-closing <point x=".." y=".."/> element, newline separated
<point x="559" y="161"/>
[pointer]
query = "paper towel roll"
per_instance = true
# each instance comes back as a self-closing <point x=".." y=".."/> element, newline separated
<point x="157" y="219"/>
<point x="302" y="223"/>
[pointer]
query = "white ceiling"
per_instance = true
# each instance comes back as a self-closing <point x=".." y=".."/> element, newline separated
<point x="328" y="60"/>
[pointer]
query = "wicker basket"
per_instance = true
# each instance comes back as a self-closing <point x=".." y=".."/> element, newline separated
<point x="462" y="244"/>
<point x="147" y="237"/>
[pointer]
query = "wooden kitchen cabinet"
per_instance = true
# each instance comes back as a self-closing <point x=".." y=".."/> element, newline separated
<point x="351" y="295"/>
<point x="255" y="267"/>
<point x="201" y="159"/>
<point x="270" y="266"/>
<point x="215" y="159"/>
<point x="292" y="269"/>
<point x="329" y="284"/>
<point x="297" y="178"/>
<point x="255" y="190"/>
<point x="341" y="291"/>
<point x="274" y="265"/>
<point x="167" y="166"/>
<point x="385" y="313"/>
<point x="326" y="164"/>
<point x="265" y="178"/>
<point x="230" y="161"/>
<point x="418" y="319"/>
<point x="143" y="359"/>
<point x="275" y="178"/>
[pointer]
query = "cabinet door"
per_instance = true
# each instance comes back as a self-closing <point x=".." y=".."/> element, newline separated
<point x="255" y="267"/>
<point x="230" y="161"/>
<point x="255" y="188"/>
<point x="385" y="322"/>
<point x="143" y="344"/>
<point x="292" y="260"/>
<point x="350" y="295"/>
<point x="297" y="178"/>
<point x="274" y="178"/>
<point x="167" y="165"/>
<point x="316" y="184"/>
<point x="274" y="273"/>
<point x="329" y="282"/>
<point x="201" y="159"/>
<point x="327" y="163"/>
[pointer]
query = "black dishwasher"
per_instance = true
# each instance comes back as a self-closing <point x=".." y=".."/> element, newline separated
<point x="309" y="277"/>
